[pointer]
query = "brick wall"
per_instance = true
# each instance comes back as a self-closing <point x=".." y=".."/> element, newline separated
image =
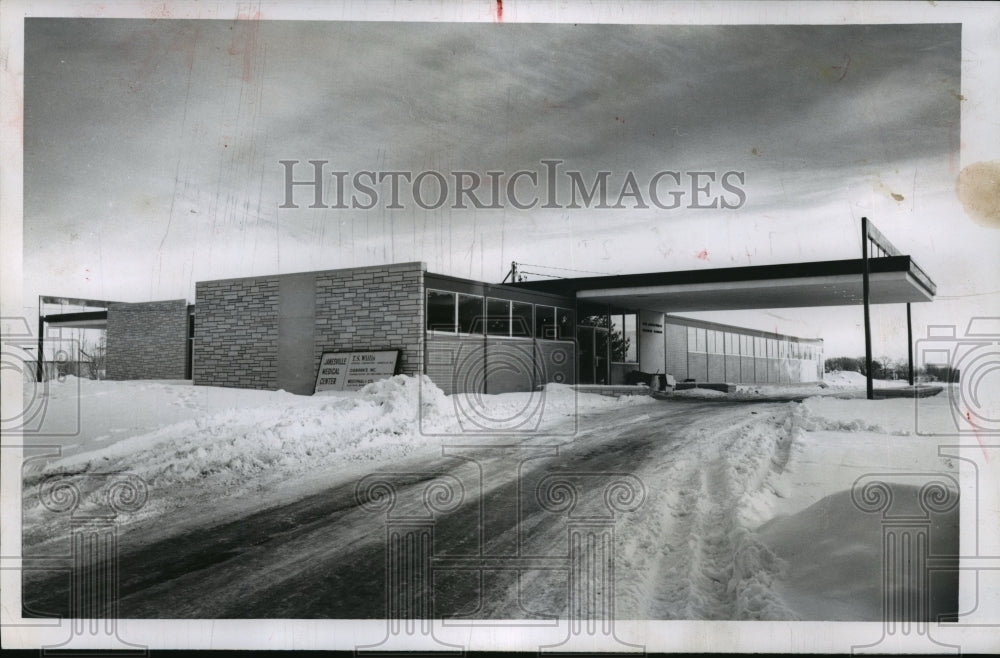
<point x="236" y="333"/>
<point x="372" y="308"/>
<point x="147" y="340"/>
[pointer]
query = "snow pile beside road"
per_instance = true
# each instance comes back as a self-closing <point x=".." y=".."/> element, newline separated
<point x="199" y="444"/>
<point x="832" y="548"/>
<point x="287" y="432"/>
<point x="698" y="393"/>
<point x="849" y="379"/>
<point x="894" y="416"/>
<point x="229" y="451"/>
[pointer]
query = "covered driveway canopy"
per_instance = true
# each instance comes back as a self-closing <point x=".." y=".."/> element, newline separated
<point x="893" y="279"/>
<point x="77" y="319"/>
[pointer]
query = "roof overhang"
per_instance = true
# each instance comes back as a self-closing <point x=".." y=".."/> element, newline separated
<point x="81" y="320"/>
<point x="894" y="279"/>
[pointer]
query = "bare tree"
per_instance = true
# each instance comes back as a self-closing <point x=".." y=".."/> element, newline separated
<point x="96" y="355"/>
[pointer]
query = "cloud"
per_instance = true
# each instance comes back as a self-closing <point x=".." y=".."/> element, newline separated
<point x="163" y="137"/>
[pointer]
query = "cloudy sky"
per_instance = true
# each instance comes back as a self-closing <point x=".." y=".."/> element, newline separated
<point x="152" y="151"/>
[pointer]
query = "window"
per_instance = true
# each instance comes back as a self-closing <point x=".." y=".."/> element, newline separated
<point x="470" y="314"/>
<point x="497" y="317"/>
<point x="623" y="338"/>
<point x="441" y="311"/>
<point x="700" y="341"/>
<point x="521" y="321"/>
<point x="552" y="323"/>
<point x="565" y="323"/>
<point x="545" y="322"/>
<point x="716" y="348"/>
<point x="758" y="346"/>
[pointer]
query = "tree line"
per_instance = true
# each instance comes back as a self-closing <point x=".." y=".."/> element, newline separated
<point x="887" y="368"/>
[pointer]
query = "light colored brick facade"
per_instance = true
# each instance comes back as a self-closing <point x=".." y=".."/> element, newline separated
<point x="372" y="308"/>
<point x="147" y="340"/>
<point x="236" y="333"/>
<point x="246" y="330"/>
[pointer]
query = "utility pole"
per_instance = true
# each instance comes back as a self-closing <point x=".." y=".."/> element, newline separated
<point x="870" y="388"/>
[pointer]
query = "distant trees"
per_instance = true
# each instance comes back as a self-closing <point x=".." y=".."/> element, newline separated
<point x="845" y="363"/>
<point x="886" y="368"/>
<point x="94" y="354"/>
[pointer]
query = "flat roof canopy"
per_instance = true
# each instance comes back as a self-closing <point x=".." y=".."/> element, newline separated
<point x="81" y="320"/>
<point x="893" y="279"/>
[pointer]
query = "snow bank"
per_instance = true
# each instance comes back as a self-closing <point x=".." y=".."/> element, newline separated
<point x="849" y="379"/>
<point x="197" y="443"/>
<point x="698" y="393"/>
<point x="831" y="548"/>
<point x="288" y="432"/>
<point x="834" y="383"/>
<point x="893" y="416"/>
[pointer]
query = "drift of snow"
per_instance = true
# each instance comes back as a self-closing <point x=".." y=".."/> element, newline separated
<point x="837" y="383"/>
<point x="192" y="443"/>
<point x="748" y="512"/>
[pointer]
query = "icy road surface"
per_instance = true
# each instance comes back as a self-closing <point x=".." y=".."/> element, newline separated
<point x="324" y="556"/>
<point x="263" y="504"/>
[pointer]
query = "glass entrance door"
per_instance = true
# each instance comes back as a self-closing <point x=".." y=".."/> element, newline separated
<point x="592" y="348"/>
<point x="600" y="355"/>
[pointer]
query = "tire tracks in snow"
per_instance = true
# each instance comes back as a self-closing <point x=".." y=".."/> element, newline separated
<point x="696" y="555"/>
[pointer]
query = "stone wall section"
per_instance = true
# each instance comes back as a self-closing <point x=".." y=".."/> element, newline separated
<point x="147" y="340"/>
<point x="236" y="333"/>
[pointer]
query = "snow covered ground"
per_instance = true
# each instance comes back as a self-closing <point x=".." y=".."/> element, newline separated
<point x="747" y="516"/>
<point x="223" y="451"/>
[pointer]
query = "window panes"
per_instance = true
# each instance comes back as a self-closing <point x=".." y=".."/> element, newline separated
<point x="631" y="333"/>
<point x="441" y="311"/>
<point x="700" y="340"/>
<point x="565" y="324"/>
<point x="545" y="322"/>
<point x="497" y="317"/>
<point x="521" y="319"/>
<point x="470" y="314"/>
<point x="623" y="337"/>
